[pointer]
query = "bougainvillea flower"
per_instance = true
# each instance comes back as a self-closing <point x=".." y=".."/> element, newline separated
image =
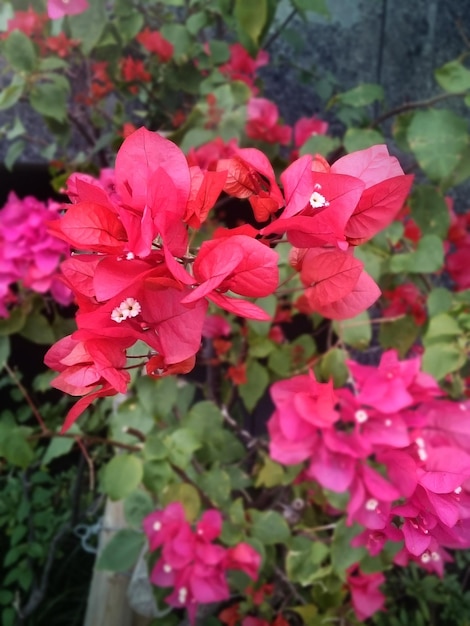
<point x="365" y="595"/>
<point x="336" y="285"/>
<point x="239" y="264"/>
<point x="60" y="8"/>
<point x="242" y="66"/>
<point x="154" y="42"/>
<point x="307" y="127"/>
<point x="263" y="122"/>
<point x="190" y="562"/>
<point x="250" y="175"/>
<point x="206" y="187"/>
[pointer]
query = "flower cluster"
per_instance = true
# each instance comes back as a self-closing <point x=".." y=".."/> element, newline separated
<point x="29" y="255"/>
<point x="388" y="439"/>
<point x="141" y="280"/>
<point x="189" y="560"/>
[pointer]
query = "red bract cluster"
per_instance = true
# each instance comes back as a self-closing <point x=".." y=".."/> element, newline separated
<point x="401" y="452"/>
<point x="138" y="278"/>
<point x="29" y="256"/>
<point x="190" y="562"/>
<point x="458" y="260"/>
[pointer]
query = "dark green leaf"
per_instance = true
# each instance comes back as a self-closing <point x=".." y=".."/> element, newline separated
<point x="137" y="505"/>
<point x="15" y="150"/>
<point x="429" y="210"/>
<point x="216" y="485"/>
<point x="254" y="388"/>
<point x="88" y="26"/>
<point x="58" y="446"/>
<point x="269" y="527"/>
<point x="320" y="144"/>
<point x="439" y="301"/>
<point x="37" y="329"/>
<point x="122" y="551"/>
<point x="50" y="100"/>
<point x="343" y="555"/>
<point x="440" y="359"/>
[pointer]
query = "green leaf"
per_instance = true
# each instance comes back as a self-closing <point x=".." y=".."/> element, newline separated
<point x="58" y="446"/>
<point x="178" y="35"/>
<point x="15" y="447"/>
<point x="343" y="555"/>
<point x="399" y="335"/>
<point x="216" y="485"/>
<point x="50" y="64"/>
<point x="439" y="301"/>
<point x="122" y="475"/>
<point x="361" y="138"/>
<point x="333" y="366"/>
<point x="320" y="144"/>
<point x="137" y="505"/>
<point x="38" y="330"/>
<point x="158" y="397"/>
<point x="269" y="527"/>
<point x="269" y="305"/>
<point x="4" y="351"/>
<point x="437" y="138"/>
<point x="122" y="551"/>
<point x="315" y="6"/>
<point x="89" y="25"/>
<point x="19" y="52"/>
<point x="251" y="17"/>
<point x="254" y="388"/>
<point x="50" y="100"/>
<point x="196" y="137"/>
<point x="15" y="150"/>
<point x="196" y="22"/>
<point x="429" y="210"/>
<point x="12" y="93"/>
<point x="355" y="332"/>
<point x="427" y="258"/>
<point x="439" y="359"/>
<point x="220" y="51"/>
<point x="453" y="77"/>
<point x="303" y="560"/>
<point x="440" y="326"/>
<point x="360" y="96"/>
<point x="181" y="445"/>
<point x="188" y="496"/>
<point x="270" y="475"/>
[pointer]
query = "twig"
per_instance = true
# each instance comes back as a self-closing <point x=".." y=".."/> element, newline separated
<point x="280" y="574"/>
<point x="252" y="442"/>
<point x="410" y="106"/>
<point x="27" y="397"/>
<point x="89" y="461"/>
<point x="277" y="32"/>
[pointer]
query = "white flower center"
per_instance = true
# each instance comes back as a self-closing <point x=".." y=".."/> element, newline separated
<point x="435" y="556"/>
<point x="458" y="490"/>
<point x="317" y="201"/>
<point x="425" y="557"/>
<point x="388" y="422"/>
<point x="157" y="526"/>
<point x="129" y="307"/>
<point x="167" y="568"/>
<point x="371" y="504"/>
<point x="182" y="595"/>
<point x="361" y="416"/>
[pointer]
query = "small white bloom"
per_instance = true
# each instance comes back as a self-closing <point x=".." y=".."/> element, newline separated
<point x="425" y="557"/>
<point x="167" y="568"/>
<point x="458" y="490"/>
<point x="371" y="504"/>
<point x="130" y="307"/>
<point x="435" y="556"/>
<point x="157" y="526"/>
<point x="130" y="256"/>
<point x="317" y="201"/>
<point x="420" y="442"/>
<point x="361" y="416"/>
<point x="117" y="315"/>
<point x="388" y="422"/>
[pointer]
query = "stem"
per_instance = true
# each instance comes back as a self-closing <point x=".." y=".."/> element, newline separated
<point x="277" y="32"/>
<point x="27" y="397"/>
<point x="418" y="104"/>
<point x="251" y="442"/>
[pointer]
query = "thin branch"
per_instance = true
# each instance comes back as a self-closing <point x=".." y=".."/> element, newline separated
<point x="410" y="106"/>
<point x="252" y="442"/>
<point x="27" y="397"/>
<point x="277" y="32"/>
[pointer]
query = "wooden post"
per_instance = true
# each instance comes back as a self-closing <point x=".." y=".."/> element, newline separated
<point x="108" y="604"/>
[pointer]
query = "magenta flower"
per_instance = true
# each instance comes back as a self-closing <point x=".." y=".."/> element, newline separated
<point x="60" y="8"/>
